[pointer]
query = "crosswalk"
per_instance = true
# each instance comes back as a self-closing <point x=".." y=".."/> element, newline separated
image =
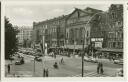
<point x="93" y="74"/>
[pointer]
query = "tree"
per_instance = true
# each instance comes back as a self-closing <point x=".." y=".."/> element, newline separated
<point x="11" y="42"/>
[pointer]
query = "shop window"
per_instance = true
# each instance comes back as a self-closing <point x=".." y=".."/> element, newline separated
<point x="114" y="44"/>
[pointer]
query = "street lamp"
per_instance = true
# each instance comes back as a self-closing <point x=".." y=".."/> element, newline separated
<point x="34" y="66"/>
<point x="43" y="40"/>
<point x="74" y="47"/>
<point x="84" y="42"/>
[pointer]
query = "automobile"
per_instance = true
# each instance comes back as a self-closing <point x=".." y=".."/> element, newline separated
<point x="17" y="63"/>
<point x="88" y="59"/>
<point x="39" y="54"/>
<point x="19" y="56"/>
<point x="20" y="62"/>
<point x="29" y="53"/>
<point x="11" y="58"/>
<point x="118" y="61"/>
<point x="24" y="52"/>
<point x="119" y="72"/>
<point x="20" y="51"/>
<point x="37" y="58"/>
<point x="94" y="60"/>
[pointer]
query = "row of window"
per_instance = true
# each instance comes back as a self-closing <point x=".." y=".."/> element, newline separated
<point x="115" y="44"/>
<point x="117" y="34"/>
<point x="77" y="33"/>
<point x="74" y="20"/>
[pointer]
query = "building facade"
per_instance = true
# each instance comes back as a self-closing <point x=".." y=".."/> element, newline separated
<point x="102" y="28"/>
<point x="51" y="31"/>
<point x="109" y="26"/>
<point x="24" y="35"/>
<point x="78" y="28"/>
<point x="115" y="35"/>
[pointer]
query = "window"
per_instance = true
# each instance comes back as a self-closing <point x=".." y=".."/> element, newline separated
<point x="54" y="30"/>
<point x="87" y="33"/>
<point x="67" y="34"/>
<point x="81" y="41"/>
<point x="112" y="15"/>
<point x="114" y="44"/>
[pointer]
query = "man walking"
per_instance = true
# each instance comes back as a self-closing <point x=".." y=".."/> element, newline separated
<point x="8" y="68"/>
<point x="62" y="61"/>
<point x="47" y="73"/>
<point x="101" y="68"/>
<point x="98" y="67"/>
<point x="44" y="73"/>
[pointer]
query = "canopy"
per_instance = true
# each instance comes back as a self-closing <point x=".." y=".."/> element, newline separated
<point x="111" y="50"/>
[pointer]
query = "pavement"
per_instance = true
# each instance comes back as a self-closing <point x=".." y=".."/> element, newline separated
<point x="70" y="68"/>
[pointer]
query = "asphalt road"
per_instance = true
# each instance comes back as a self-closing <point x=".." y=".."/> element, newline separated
<point x="70" y="68"/>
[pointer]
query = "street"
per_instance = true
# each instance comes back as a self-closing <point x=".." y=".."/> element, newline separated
<point x="70" y="68"/>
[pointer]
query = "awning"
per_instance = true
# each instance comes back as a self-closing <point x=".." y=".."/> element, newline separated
<point x="74" y="46"/>
<point x="111" y="50"/>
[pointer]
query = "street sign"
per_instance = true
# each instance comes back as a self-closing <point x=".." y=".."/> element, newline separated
<point x="96" y="39"/>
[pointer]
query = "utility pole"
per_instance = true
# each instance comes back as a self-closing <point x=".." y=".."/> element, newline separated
<point x="83" y="57"/>
<point x="34" y="67"/>
<point x="74" y="43"/>
<point x="84" y="43"/>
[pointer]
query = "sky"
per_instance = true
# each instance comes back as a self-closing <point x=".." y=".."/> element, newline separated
<point x="25" y="15"/>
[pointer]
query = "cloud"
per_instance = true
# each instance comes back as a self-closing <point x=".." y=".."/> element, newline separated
<point x="56" y="12"/>
<point x="22" y="11"/>
<point x="26" y="14"/>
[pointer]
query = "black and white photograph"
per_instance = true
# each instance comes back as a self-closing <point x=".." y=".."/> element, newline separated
<point x="64" y="40"/>
<point x="0" y="41"/>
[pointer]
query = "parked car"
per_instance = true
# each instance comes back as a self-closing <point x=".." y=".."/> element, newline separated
<point x="17" y="63"/>
<point x="118" y="61"/>
<point x="37" y="58"/>
<point x="119" y="72"/>
<point x="94" y="60"/>
<point x="88" y="59"/>
<point x="20" y="62"/>
<point x="39" y="54"/>
<point x="19" y="56"/>
<point x="11" y="58"/>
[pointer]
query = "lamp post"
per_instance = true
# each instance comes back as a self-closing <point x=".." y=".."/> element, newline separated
<point x="84" y="43"/>
<point x="43" y="41"/>
<point x="34" y="66"/>
<point x="74" y="47"/>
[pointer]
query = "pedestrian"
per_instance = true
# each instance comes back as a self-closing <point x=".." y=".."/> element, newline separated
<point x="55" y="56"/>
<point x="8" y="68"/>
<point x="55" y="65"/>
<point x="101" y="68"/>
<point x="62" y="60"/>
<point x="44" y="73"/>
<point x="47" y="73"/>
<point x="98" y="67"/>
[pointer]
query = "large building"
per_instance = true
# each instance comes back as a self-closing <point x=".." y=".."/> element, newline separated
<point x="109" y="27"/>
<point x="78" y="29"/>
<point x="65" y="30"/>
<point x="25" y="34"/>
<point x="104" y="29"/>
<point x="115" y="34"/>
<point x="51" y="31"/>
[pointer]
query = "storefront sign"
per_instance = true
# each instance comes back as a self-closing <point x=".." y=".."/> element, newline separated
<point x="96" y="39"/>
<point x="98" y="44"/>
